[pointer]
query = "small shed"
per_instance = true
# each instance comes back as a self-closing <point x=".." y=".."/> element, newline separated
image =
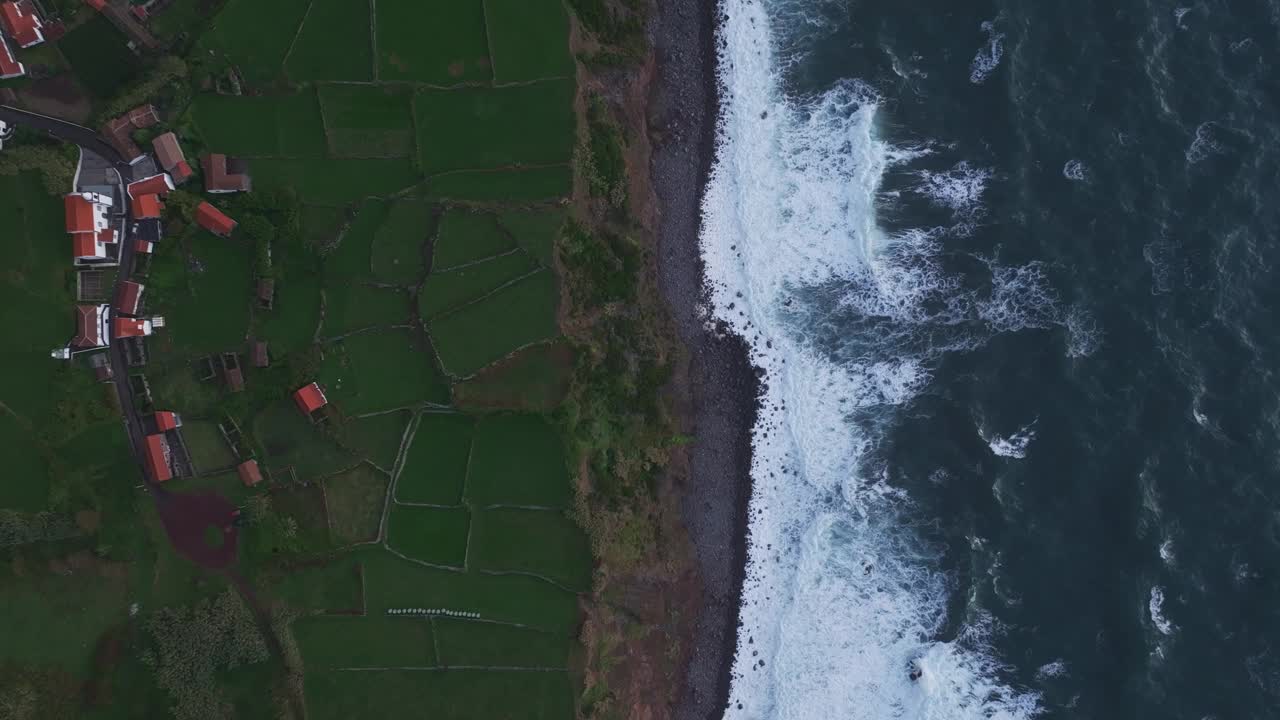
<point x="310" y="398"/>
<point x="167" y="420"/>
<point x="231" y="370"/>
<point x="212" y="219"/>
<point x="258" y="353"/>
<point x="157" y="458"/>
<point x="250" y="473"/>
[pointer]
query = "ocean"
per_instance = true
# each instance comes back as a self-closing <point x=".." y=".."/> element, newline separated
<point x="1010" y="270"/>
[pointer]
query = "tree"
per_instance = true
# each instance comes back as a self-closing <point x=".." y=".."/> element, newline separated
<point x="56" y="167"/>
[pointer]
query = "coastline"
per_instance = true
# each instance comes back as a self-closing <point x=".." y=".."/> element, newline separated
<point x="720" y="387"/>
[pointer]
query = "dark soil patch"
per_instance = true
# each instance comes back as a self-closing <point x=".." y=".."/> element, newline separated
<point x="185" y="519"/>
<point x="60" y="96"/>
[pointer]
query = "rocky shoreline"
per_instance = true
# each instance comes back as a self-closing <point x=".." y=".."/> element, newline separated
<point x="721" y="386"/>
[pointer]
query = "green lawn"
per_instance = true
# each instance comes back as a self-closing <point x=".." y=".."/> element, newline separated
<point x="433" y="535"/>
<point x="368" y="121"/>
<point x="256" y="36"/>
<point x="449" y="290"/>
<point x="540" y="542"/>
<point x="376" y="438"/>
<point x="480" y="644"/>
<point x="488" y="330"/>
<point x="355" y="499"/>
<point x="517" y="460"/>
<point x="354" y="305"/>
<point x="381" y="370"/>
<point x="364" y="642"/>
<point x="214" y="316"/>
<point x="530" y="39"/>
<point x="209" y="451"/>
<point x="435" y="468"/>
<point x="100" y="57"/>
<point x="474" y="128"/>
<point x="333" y="44"/>
<point x="513" y="185"/>
<point x="398" y="254"/>
<point x="451" y="694"/>
<point x="441" y="43"/>
<point x="466" y="237"/>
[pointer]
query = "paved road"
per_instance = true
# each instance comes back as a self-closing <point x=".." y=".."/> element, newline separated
<point x="90" y="140"/>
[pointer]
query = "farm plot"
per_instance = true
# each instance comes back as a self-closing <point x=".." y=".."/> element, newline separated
<point x="256" y="36"/>
<point x="488" y="330"/>
<point x="262" y="125"/>
<point x="530" y="39"/>
<point x="335" y="181"/>
<point x="355" y="500"/>
<point x="209" y="451"/>
<point x="511" y="185"/>
<point x="290" y="439"/>
<point x="436" y="43"/>
<point x="449" y="290"/>
<point x="517" y="460"/>
<point x="435" y="468"/>
<point x="473" y="128"/>
<point x="376" y="641"/>
<point x="333" y="44"/>
<point x="334" y="585"/>
<point x="376" y="438"/>
<point x="451" y="694"/>
<point x="367" y="121"/>
<point x="393" y="582"/>
<point x="535" y="379"/>
<point x="398" y="255"/>
<point x="100" y="56"/>
<point x="381" y="370"/>
<point x="535" y="231"/>
<point x="543" y="543"/>
<point x="433" y="535"/>
<point x="354" y="305"/>
<point x="352" y="257"/>
<point x="466" y="237"/>
<point x="214" y="315"/>
<point x="177" y="385"/>
<point x="291" y="322"/>
<point x="479" y="644"/>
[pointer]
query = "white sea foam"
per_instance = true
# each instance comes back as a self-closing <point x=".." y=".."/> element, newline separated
<point x="1057" y="668"/>
<point x="841" y="595"/>
<point x="1155" y="606"/>
<point x="1012" y="446"/>
<point x="1204" y="144"/>
<point x="989" y="55"/>
<point x="1167" y="554"/>
<point x="958" y="189"/>
<point x="1074" y="170"/>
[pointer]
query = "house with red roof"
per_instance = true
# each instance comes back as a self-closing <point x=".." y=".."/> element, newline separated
<point x="167" y="420"/>
<point x="93" y="240"/>
<point x="310" y="398"/>
<point x="9" y="65"/>
<point x="160" y="185"/>
<point x="171" y="157"/>
<point x="212" y="219"/>
<point x="122" y="327"/>
<point x="120" y="130"/>
<point x="145" y="247"/>
<point x="156" y="457"/>
<point x="22" y="23"/>
<point x="146" y="207"/>
<point x="96" y="4"/>
<point x="225" y="175"/>
<point x="250" y="473"/>
<point x="129" y="300"/>
<point x="91" y="327"/>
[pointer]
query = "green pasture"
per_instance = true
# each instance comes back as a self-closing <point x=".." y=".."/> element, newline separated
<point x="289" y="439"/>
<point x="25" y="485"/>
<point x="176" y="385"/>
<point x="535" y="231"/>
<point x="55" y="619"/>
<point x="330" y="585"/>
<point x="213" y="316"/>
<point x="517" y="459"/>
<point x="256" y="36"/>
<point x="368" y="120"/>
<point x="355" y="499"/>
<point x="334" y="43"/>
<point x="488" y="330"/>
<point x="380" y="370"/>
<point x="430" y="534"/>
<point x="509" y="185"/>
<point x="466" y="237"/>
<point x="436" y="43"/>
<point x="435" y="467"/>
<point x="535" y="379"/>
<point x="530" y="39"/>
<point x="335" y="181"/>
<point x="474" y="128"/>
<point x="287" y="125"/>
<point x="375" y="641"/>
<point x="446" y="291"/>
<point x="451" y="694"/>
<point x="397" y="254"/>
<point x="480" y="644"/>
<point x="354" y="305"/>
<point x="544" y="543"/>
<point x="100" y="57"/>
<point x="209" y="451"/>
<point x="376" y="438"/>
<point x="353" y="256"/>
<point x="291" y="322"/>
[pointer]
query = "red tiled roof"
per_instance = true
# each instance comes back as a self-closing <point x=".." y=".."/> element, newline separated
<point x="83" y="246"/>
<point x="96" y="4"/>
<point x="106" y="236"/>
<point x="166" y="420"/>
<point x="79" y="214"/>
<point x="310" y="398"/>
<point x="258" y="352"/>
<point x="9" y="65"/>
<point x="144" y="116"/>
<point x="143" y="246"/>
<point x="218" y="179"/>
<point x="168" y="151"/>
<point x="212" y="219"/>
<point x="181" y="172"/>
<point x="250" y="473"/>
<point x="88" y="324"/>
<point x="22" y="23"/>
<point x="128" y="327"/>
<point x="157" y="457"/>
<point x="147" y="207"/>
<point x="139" y="12"/>
<point x="130" y="297"/>
<point x="155" y="185"/>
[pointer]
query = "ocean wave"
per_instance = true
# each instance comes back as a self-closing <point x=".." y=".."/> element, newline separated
<point x="988" y="57"/>
<point x="1013" y="446"/>
<point x="1155" y="606"/>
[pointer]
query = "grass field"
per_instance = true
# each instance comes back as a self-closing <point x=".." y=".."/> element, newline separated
<point x="449" y="290"/>
<point x="454" y="694"/>
<point x="354" y="305"/>
<point x="368" y="121"/>
<point x="289" y="439"/>
<point x="376" y="438"/>
<point x="397" y="255"/>
<point x="466" y="237"/>
<point x="214" y="316"/>
<point x="488" y="330"/>
<point x="60" y="617"/>
<point x="335" y="181"/>
<point x="436" y="43"/>
<point x="474" y="128"/>
<point x="353" y="256"/>
<point x="535" y="231"/>
<point x="291" y="323"/>
<point x="435" y="468"/>
<point x="465" y="642"/>
<point x="330" y="586"/>
<point x="530" y="39"/>
<point x="381" y="370"/>
<point x="355" y="499"/>
<point x="512" y="185"/>
<point x="544" y="543"/>
<point x="365" y="642"/>
<point x="534" y="379"/>
<point x="209" y="451"/>
<point x="333" y="44"/>
<point x="256" y="36"/>
<point x="432" y="535"/>
<point x="100" y="57"/>
<point x="517" y="460"/>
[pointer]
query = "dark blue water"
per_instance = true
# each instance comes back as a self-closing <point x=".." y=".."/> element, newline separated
<point x="1081" y="446"/>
